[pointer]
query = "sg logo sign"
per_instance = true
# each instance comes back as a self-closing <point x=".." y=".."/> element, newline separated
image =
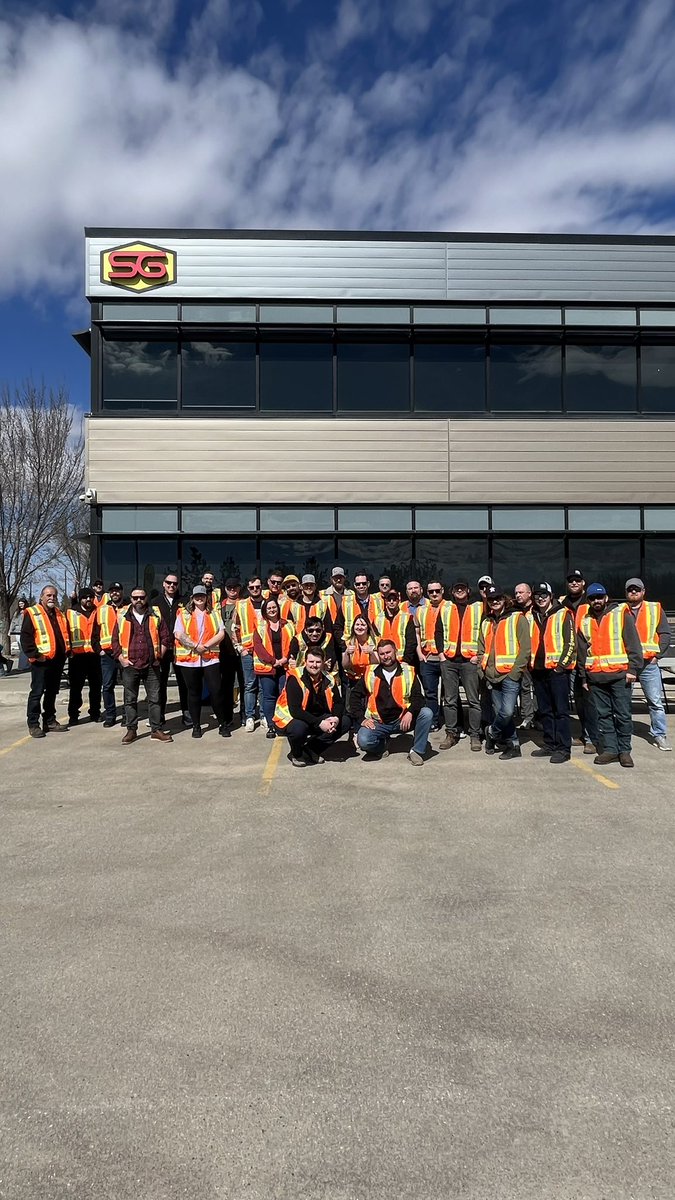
<point x="138" y="266"/>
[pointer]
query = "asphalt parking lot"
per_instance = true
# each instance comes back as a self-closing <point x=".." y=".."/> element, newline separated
<point x="225" y="977"/>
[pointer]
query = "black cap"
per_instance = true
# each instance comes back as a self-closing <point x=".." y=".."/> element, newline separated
<point x="495" y="593"/>
<point x="542" y="589"/>
<point x="115" y="587"/>
<point x="231" y="582"/>
<point x="460" y="583"/>
<point x="574" y="576"/>
<point x="86" y="593"/>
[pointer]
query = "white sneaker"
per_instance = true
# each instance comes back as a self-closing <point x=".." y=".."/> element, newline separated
<point x="250" y="725"/>
<point x="462" y="735"/>
<point x="263" y="723"/>
<point x="662" y="743"/>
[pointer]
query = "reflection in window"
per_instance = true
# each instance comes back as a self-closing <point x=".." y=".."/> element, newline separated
<point x="377" y="556"/>
<point x="219" y="520"/>
<point x="373" y="377"/>
<point x="155" y="559"/>
<point x="657" y="379"/>
<point x="222" y="556"/>
<point x="600" y="378"/>
<point x="118" y="562"/>
<point x="451" y="559"/>
<point x="528" y="518"/>
<point x="659" y="570"/>
<point x="386" y="519"/>
<point x="449" y="378"/>
<point x="287" y="520"/>
<point x="451" y="519"/>
<point x="296" y="378"/>
<point x="300" y="556"/>
<point x="528" y="560"/>
<point x="612" y="517"/>
<point x="606" y="560"/>
<point x="139" y="520"/>
<point x="525" y="378"/>
<point x="142" y="374"/>
<point x="218" y="374"/>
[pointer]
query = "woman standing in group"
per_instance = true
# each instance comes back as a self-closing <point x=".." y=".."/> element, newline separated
<point x="15" y="629"/>
<point x="271" y="646"/>
<point x="359" y="652"/>
<point x="198" y="634"/>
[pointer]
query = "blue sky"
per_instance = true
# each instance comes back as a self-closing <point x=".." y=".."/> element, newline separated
<point x="386" y="114"/>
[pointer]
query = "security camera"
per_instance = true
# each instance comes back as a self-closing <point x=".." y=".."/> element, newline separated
<point x="88" y="496"/>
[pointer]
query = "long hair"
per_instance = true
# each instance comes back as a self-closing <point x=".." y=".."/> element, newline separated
<point x="371" y="632"/>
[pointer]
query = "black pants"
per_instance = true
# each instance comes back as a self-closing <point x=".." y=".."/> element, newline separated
<point x="164" y="671"/>
<point x="231" y="672"/>
<point x="195" y="678"/>
<point x="553" y="701"/>
<point x="84" y="668"/>
<point x="45" y="681"/>
<point x="613" y="709"/>
<point x="302" y="736"/>
<point x="132" y="677"/>
<point x="454" y="672"/>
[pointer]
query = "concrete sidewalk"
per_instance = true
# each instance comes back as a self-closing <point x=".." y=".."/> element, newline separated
<point x="224" y="977"/>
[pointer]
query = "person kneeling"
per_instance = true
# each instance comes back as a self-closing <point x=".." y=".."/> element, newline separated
<point x="389" y="699"/>
<point x="310" y="711"/>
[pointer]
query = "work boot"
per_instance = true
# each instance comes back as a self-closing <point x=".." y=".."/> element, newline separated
<point x="626" y="760"/>
<point x="511" y="752"/>
<point x="589" y="748"/>
<point x="225" y="731"/>
<point x="476" y="745"/>
<point x="158" y="735"/>
<point x="603" y="760"/>
<point x="55" y="727"/>
<point x="490" y="743"/>
<point x="560" y="756"/>
<point x="35" y="731"/>
<point x="130" y="736"/>
<point x="197" y="731"/>
<point x="449" y="741"/>
<point x="543" y="752"/>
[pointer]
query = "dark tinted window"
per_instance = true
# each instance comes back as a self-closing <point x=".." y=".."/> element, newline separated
<point x="525" y="378"/>
<point x="118" y="562"/>
<point x="218" y="374"/>
<point x="379" y="556"/>
<point x="139" y="374"/>
<point x="607" y="560"/>
<point x="296" y="377"/>
<point x="155" y="558"/>
<point x="373" y="377"/>
<point x="449" y="378"/>
<point x="302" y="556"/>
<point x="657" y="379"/>
<point x="528" y="560"/>
<point x="452" y="558"/>
<point x="223" y="556"/>
<point x="600" y="378"/>
<point x="659" y="573"/>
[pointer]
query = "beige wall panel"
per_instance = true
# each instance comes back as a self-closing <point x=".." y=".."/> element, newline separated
<point x="218" y="461"/>
<point x="580" y="462"/>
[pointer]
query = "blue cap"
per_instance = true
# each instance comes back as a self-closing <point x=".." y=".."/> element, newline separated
<point x="595" y="589"/>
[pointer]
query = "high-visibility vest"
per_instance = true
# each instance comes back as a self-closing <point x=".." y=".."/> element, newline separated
<point x="215" y="596"/>
<point x="505" y="637"/>
<point x="124" y="631"/>
<point x="318" y="608"/>
<point x="107" y="616"/>
<point x="303" y="650"/>
<point x="647" y="622"/>
<point x="606" y="650"/>
<point x="182" y="654"/>
<point x="407" y="608"/>
<point x="45" y="640"/>
<point x="105" y="599"/>
<point x="80" y="629"/>
<point x="394" y="630"/>
<point x="247" y="619"/>
<point x="582" y="611"/>
<point x="378" y="605"/>
<point x="359" y="663"/>
<point x="464" y="632"/>
<point x="287" y="635"/>
<point x="345" y="603"/>
<point x="401" y="687"/>
<point x="426" y="622"/>
<point x="291" y="610"/>
<point x="282" y="715"/>
<point x="554" y="640"/>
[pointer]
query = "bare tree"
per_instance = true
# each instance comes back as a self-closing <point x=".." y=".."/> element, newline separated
<point x="41" y="469"/>
<point x="72" y="542"/>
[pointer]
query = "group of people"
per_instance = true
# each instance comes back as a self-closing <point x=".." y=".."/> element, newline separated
<point x="315" y="665"/>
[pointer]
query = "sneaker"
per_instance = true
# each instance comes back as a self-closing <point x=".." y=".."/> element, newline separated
<point x="462" y="735"/>
<point x="270" y="733"/>
<point x="625" y="760"/>
<point x="526" y="725"/>
<point x="476" y="745"/>
<point x="296" y="762"/>
<point x="250" y="726"/>
<point x="560" y="756"/>
<point x="35" y="731"/>
<point x="511" y="752"/>
<point x="108" y="723"/>
<point x="589" y="748"/>
<point x="370" y="757"/>
<point x="449" y="741"/>
<point x="73" y="721"/>
<point x="197" y="731"/>
<point x="661" y="742"/>
<point x="263" y="722"/>
<point x="543" y="752"/>
<point x="225" y="731"/>
<point x="415" y="758"/>
<point x="602" y="760"/>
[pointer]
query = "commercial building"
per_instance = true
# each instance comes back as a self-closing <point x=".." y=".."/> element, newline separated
<point x="435" y="404"/>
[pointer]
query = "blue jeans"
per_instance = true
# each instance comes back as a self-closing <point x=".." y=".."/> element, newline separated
<point x="372" y="741"/>
<point x="652" y="686"/>
<point x="270" y="687"/>
<point x="109" y="678"/>
<point x="430" y="677"/>
<point x="504" y="700"/>
<point x="250" y="686"/>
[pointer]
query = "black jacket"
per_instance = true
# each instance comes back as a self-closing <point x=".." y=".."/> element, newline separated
<point x="388" y="710"/>
<point x="317" y="706"/>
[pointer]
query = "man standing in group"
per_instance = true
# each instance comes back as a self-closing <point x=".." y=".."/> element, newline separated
<point x="85" y="663"/>
<point x="654" y="633"/>
<point x="522" y="594"/>
<point x="231" y="670"/>
<point x="140" y="639"/>
<point x="576" y="601"/>
<point x="212" y="592"/>
<point x="246" y="619"/>
<point x="388" y="699"/>
<point x="275" y="581"/>
<point x="168" y="605"/>
<point x="291" y="609"/>
<point x="461" y="626"/>
<point x="314" y="636"/>
<point x="610" y="660"/>
<point x="107" y="621"/>
<point x="554" y="652"/>
<point x="339" y="599"/>
<point x="503" y="654"/>
<point x="428" y="625"/>
<point x="100" y="595"/>
<point x="310" y="599"/>
<point x="414" y="600"/>
<point x="398" y="627"/>
<point x="384" y="586"/>
<point x="46" y="643"/>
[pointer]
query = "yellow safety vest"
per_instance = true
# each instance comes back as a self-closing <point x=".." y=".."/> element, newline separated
<point x="183" y="654"/>
<point x="401" y="687"/>
<point x="80" y="629"/>
<point x="505" y="636"/>
<point x="647" y="622"/>
<point x="606" y="651"/>
<point x="45" y="641"/>
<point x="282" y="715"/>
<point x="467" y="634"/>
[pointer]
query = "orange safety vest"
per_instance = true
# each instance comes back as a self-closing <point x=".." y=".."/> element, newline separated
<point x="394" y="630"/>
<point x="105" y="599"/>
<point x="107" y="616"/>
<point x="303" y="649"/>
<point x="346" y="604"/>
<point x="504" y="635"/>
<point x="647" y="622"/>
<point x="406" y="607"/>
<point x="360" y="661"/>
<point x="282" y="715"/>
<point x="81" y="629"/>
<point x="426" y="623"/>
<point x="291" y="610"/>
<point x="606" y="650"/>
<point x="401" y="687"/>
<point x="124" y="631"/>
<point x="581" y="612"/>
<point x="45" y="641"/>
<point x="554" y="640"/>
<point x="182" y="654"/>
<point x="287" y="635"/>
<point x="465" y="632"/>
<point x="247" y="619"/>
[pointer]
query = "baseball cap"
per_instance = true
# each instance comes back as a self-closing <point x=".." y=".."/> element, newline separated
<point x="574" y="576"/>
<point x="392" y="594"/>
<point x="199" y="590"/>
<point x="596" y="589"/>
<point x="232" y="582"/>
<point x="495" y="593"/>
<point x="460" y="583"/>
<point x="486" y="579"/>
<point x="635" y="582"/>
<point x="308" y="579"/>
<point x="86" y="593"/>
<point x="291" y="579"/>
<point x="115" y="587"/>
<point x="542" y="589"/>
<point x="337" y="571"/>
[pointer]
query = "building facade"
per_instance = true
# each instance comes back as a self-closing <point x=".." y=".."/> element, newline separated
<point x="422" y="405"/>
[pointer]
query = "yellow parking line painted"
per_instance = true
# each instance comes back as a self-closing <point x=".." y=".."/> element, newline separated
<point x="581" y="766"/>
<point x="271" y="766"/>
<point x="14" y="745"/>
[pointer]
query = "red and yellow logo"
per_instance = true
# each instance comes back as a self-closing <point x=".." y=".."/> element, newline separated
<point x="138" y="266"/>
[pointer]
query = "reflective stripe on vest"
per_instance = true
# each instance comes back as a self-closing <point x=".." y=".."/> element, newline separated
<point x="554" y="640"/>
<point x="505" y="637"/>
<point x="291" y="610"/>
<point x="107" y="620"/>
<point x="581" y="612"/>
<point x="124" y="632"/>
<point x="282" y="715"/>
<point x="303" y="649"/>
<point x="426" y="621"/>
<point x="467" y="635"/>
<point x="287" y="634"/>
<point x="45" y="639"/>
<point x="104" y="599"/>
<point x="647" y="622"/>
<point x="606" y="651"/>
<point x="394" y="630"/>
<point x="247" y="621"/>
<point x="401" y="687"/>
<point x="359" y="662"/>
<point x="183" y="655"/>
<point x="81" y="629"/>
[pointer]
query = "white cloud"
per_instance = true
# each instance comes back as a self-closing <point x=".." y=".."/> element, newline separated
<point x="101" y="129"/>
